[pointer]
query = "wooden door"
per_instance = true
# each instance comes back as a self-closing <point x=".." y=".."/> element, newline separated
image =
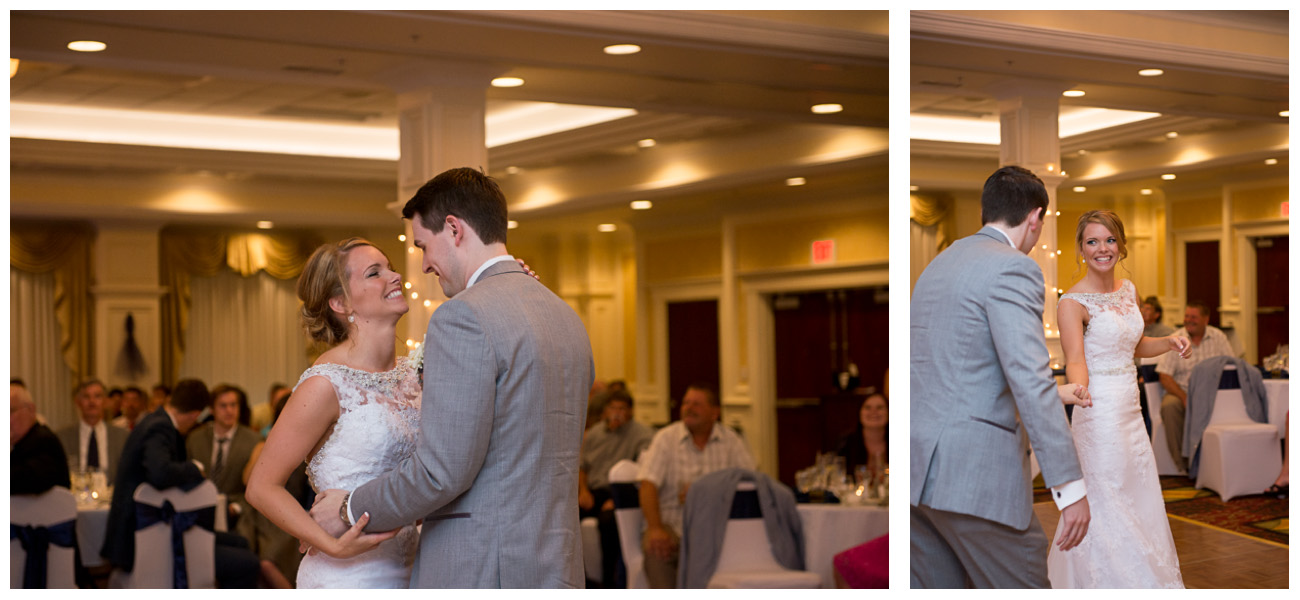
<point x="1272" y="296"/>
<point x="1202" y="276"/>
<point x="693" y="355"/>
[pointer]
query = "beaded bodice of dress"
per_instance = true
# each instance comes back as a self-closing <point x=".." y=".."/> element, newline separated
<point x="379" y="420"/>
<point x="1114" y="329"/>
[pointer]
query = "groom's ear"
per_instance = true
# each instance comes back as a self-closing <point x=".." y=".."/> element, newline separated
<point x="456" y="227"/>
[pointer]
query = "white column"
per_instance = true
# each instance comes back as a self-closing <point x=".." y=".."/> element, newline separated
<point x="1030" y="114"/>
<point x="441" y="114"/>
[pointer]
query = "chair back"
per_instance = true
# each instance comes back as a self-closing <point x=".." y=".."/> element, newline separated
<point x="745" y="545"/>
<point x="630" y="521"/>
<point x="166" y="557"/>
<point x="42" y="532"/>
<point x="1229" y="405"/>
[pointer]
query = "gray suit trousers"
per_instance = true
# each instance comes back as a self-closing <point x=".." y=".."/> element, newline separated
<point x="952" y="550"/>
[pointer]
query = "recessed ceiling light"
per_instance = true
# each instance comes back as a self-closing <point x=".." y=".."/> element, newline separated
<point x="915" y="188"/>
<point x="826" y="109"/>
<point x="1082" y="152"/>
<point x="619" y="49"/>
<point x="512" y="224"/>
<point x="606" y="227"/>
<point x="1079" y="188"/>
<point x="507" y="82"/>
<point x="646" y="143"/>
<point x="1169" y="177"/>
<point x="1073" y="93"/>
<point x="641" y="205"/>
<point x="1285" y="113"/>
<point x="401" y="238"/>
<point x="1270" y="161"/>
<point x="1171" y="135"/>
<point x="512" y="170"/>
<point x="87" y="46"/>
<point x="13" y="67"/>
<point x="1151" y="72"/>
<point x="793" y="181"/>
<point x="1145" y="191"/>
<point x="265" y="224"/>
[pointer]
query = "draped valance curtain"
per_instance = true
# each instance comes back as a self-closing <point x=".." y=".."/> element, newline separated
<point x="63" y="249"/>
<point x="932" y="229"/>
<point x="189" y="252"/>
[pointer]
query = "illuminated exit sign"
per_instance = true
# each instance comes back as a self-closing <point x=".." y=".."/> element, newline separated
<point x="823" y="251"/>
<point x="1286" y="209"/>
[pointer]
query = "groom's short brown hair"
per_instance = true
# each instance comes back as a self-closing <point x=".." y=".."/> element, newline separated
<point x="469" y="195"/>
<point x="1010" y="193"/>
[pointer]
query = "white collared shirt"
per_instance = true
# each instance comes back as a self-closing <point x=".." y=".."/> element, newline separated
<point x="483" y="267"/>
<point x="216" y="438"/>
<point x="101" y="441"/>
<point x="1004" y="234"/>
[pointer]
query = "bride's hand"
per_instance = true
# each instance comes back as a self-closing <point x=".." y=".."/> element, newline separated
<point x="355" y="541"/>
<point x="528" y="270"/>
<point x="1073" y="393"/>
<point x="1181" y="345"/>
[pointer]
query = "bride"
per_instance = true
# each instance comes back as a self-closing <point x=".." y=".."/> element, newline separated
<point x="1129" y="544"/>
<point x="354" y="413"/>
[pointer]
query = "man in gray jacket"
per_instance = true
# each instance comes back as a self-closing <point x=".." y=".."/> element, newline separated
<point x="980" y="383"/>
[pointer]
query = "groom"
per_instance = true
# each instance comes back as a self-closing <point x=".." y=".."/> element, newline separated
<point x="507" y="369"/>
<point x="979" y="361"/>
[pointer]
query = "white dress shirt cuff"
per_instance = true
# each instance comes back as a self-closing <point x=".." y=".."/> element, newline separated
<point x="1069" y="493"/>
<point x="348" y="503"/>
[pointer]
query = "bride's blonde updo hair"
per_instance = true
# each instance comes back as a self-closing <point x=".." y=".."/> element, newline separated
<point x="326" y="277"/>
<point x="1106" y="219"/>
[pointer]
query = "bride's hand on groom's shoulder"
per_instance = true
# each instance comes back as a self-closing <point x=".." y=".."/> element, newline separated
<point x="1073" y="393"/>
<point x="527" y="269"/>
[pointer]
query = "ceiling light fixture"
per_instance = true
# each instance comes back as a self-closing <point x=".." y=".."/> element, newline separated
<point x="512" y="224"/>
<point x="507" y="82"/>
<point x="646" y="143"/>
<point x="1270" y="161"/>
<point x="1151" y="72"/>
<point x="13" y="67"/>
<point x="1145" y="191"/>
<point x="512" y="170"/>
<point x="1171" y="135"/>
<point x="1073" y="93"/>
<point x="1079" y="188"/>
<point x="622" y="49"/>
<point x="915" y="188"/>
<point x="86" y="46"/>
<point x="1285" y="113"/>
<point x="793" y="181"/>
<point x="641" y="205"/>
<point x="401" y="238"/>
<point x="606" y="227"/>
<point x="826" y="109"/>
<point x="265" y="224"/>
<point x="1169" y="177"/>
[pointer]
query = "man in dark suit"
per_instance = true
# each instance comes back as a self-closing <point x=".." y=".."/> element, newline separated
<point x="155" y="454"/>
<point x="93" y="443"/>
<point x="36" y="459"/>
<point x="224" y="447"/>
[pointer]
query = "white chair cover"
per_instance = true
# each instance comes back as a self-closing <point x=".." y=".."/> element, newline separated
<point x="591" y="559"/>
<point x="55" y="506"/>
<point x="746" y="560"/>
<point x="1239" y="457"/>
<point x="153" y="544"/>
<point x="630" y="522"/>
<point x="1165" y="464"/>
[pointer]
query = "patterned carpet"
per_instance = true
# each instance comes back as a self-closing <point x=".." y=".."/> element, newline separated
<point x="1257" y="516"/>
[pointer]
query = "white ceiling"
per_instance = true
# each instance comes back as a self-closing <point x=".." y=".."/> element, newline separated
<point x="720" y="83"/>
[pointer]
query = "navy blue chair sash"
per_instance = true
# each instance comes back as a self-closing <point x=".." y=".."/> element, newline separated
<point x="147" y="516"/>
<point x="1148" y="373"/>
<point x="625" y="495"/>
<point x="745" y="505"/>
<point x="36" y="542"/>
<point x="1229" y="380"/>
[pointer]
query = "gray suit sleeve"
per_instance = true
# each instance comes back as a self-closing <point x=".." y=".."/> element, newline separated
<point x="455" y="425"/>
<point x="1015" y="313"/>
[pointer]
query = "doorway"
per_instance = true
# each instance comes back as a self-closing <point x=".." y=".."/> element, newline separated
<point x="1201" y="272"/>
<point x="1272" y="295"/>
<point x="692" y="350"/>
<point x="832" y="350"/>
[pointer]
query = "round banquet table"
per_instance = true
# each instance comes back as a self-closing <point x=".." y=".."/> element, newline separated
<point x="829" y="529"/>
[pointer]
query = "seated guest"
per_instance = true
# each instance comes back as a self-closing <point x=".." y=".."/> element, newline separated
<point x="618" y="437"/>
<point x="1175" y="372"/>
<point x="678" y="455"/>
<point x="269" y="541"/>
<point x="223" y="447"/>
<point x="132" y="407"/>
<point x="92" y="444"/>
<point x="36" y="458"/>
<point x="868" y="443"/>
<point x="158" y="397"/>
<point x="264" y="414"/>
<point x="1152" y="313"/>
<point x="155" y="454"/>
<point x="112" y="404"/>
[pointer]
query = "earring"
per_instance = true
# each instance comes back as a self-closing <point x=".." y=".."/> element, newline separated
<point x="352" y="318"/>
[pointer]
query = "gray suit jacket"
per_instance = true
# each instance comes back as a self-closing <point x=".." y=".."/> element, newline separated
<point x="978" y="361"/>
<point x="71" y="440"/>
<point x="198" y="445"/>
<point x="495" y="473"/>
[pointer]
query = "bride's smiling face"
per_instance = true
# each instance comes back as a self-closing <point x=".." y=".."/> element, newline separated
<point x="374" y="288"/>
<point x="1099" y="248"/>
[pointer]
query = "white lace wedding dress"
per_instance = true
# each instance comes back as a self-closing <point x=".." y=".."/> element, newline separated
<point x="1128" y="544"/>
<point x="379" y="419"/>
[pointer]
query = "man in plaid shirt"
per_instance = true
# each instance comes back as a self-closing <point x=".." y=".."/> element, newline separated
<point x="679" y="454"/>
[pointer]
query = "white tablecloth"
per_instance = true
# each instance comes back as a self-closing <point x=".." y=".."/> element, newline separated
<point x="829" y="529"/>
<point x="1277" y="391"/>
<point x="92" y="526"/>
